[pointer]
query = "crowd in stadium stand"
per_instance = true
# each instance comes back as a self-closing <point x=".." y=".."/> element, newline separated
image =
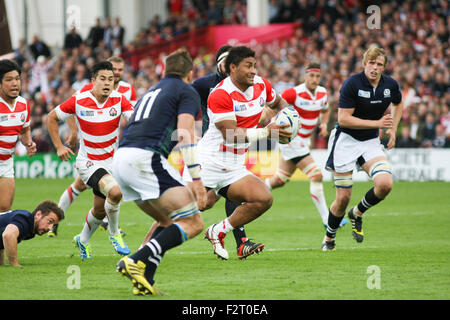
<point x="414" y="34"/>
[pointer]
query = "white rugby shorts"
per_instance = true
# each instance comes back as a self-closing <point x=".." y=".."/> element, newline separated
<point x="7" y="168"/>
<point x="143" y="174"/>
<point x="298" y="147"/>
<point x="345" y="152"/>
<point x="86" y="167"/>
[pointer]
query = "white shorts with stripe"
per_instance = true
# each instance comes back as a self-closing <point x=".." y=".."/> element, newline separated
<point x="298" y="147"/>
<point x="346" y="153"/>
<point x="143" y="174"/>
<point x="216" y="177"/>
<point x="86" y="168"/>
<point x="7" y="168"/>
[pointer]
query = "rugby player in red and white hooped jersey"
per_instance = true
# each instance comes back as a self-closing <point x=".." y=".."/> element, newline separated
<point x="234" y="108"/>
<point x="97" y="114"/>
<point x="72" y="192"/>
<point x="14" y="125"/>
<point x="311" y="102"/>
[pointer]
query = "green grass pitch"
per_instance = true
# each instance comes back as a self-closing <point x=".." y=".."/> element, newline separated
<point x="406" y="242"/>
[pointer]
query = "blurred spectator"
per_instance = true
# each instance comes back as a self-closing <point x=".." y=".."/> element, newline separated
<point x="72" y="39"/>
<point x="108" y="33"/>
<point x="273" y="10"/>
<point x="80" y="78"/>
<point x="118" y="31"/>
<point x="213" y="13"/>
<point x="39" y="48"/>
<point x="440" y="140"/>
<point x="428" y="131"/>
<point x="42" y="145"/>
<point x="405" y="140"/>
<point x="95" y="34"/>
<point x="228" y="12"/>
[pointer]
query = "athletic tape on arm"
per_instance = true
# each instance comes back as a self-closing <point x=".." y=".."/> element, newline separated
<point x="189" y="153"/>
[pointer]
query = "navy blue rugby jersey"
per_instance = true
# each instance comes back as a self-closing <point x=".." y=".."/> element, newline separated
<point x="370" y="103"/>
<point x="24" y="220"/>
<point x="155" y="115"/>
<point x="203" y="86"/>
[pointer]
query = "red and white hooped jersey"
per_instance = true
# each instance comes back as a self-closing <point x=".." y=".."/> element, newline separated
<point x="227" y="102"/>
<point x="123" y="88"/>
<point x="12" y="121"/>
<point x="308" y="106"/>
<point x="98" y="124"/>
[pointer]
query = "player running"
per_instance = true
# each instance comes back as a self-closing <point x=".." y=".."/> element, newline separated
<point x="14" y="126"/>
<point x="98" y="114"/>
<point x="234" y="109"/>
<point x="364" y="99"/>
<point x="73" y="191"/>
<point x="164" y="116"/>
<point x="311" y="102"/>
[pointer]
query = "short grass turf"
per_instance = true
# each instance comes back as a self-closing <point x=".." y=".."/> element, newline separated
<point x="406" y="242"/>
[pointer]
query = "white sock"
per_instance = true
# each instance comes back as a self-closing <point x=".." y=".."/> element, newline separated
<point x="112" y="211"/>
<point x="224" y="226"/>
<point x="68" y="197"/>
<point x="89" y="227"/>
<point x="318" y="197"/>
<point x="267" y="182"/>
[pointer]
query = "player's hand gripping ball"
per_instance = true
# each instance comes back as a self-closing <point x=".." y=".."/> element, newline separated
<point x="288" y="116"/>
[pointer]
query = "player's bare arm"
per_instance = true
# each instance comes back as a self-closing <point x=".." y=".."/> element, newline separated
<point x="52" y="124"/>
<point x="323" y="126"/>
<point x="186" y="140"/>
<point x="396" y="112"/>
<point x="72" y="139"/>
<point x="233" y="134"/>
<point x="25" y="138"/>
<point x="271" y="110"/>
<point x="347" y="120"/>
<point x="10" y="236"/>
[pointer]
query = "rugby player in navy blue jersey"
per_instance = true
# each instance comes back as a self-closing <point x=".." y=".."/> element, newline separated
<point x="364" y="99"/>
<point x="163" y="118"/>
<point x="18" y="225"/>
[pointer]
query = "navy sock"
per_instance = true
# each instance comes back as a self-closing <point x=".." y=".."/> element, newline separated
<point x="369" y="200"/>
<point x="333" y="224"/>
<point x="152" y="253"/>
<point x="238" y="232"/>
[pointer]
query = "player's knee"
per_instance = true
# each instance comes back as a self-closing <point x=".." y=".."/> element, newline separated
<point x="114" y="194"/>
<point x="383" y="188"/>
<point x="281" y="178"/>
<point x="265" y="202"/>
<point x="342" y="200"/>
<point x="197" y="224"/>
<point x="313" y="172"/>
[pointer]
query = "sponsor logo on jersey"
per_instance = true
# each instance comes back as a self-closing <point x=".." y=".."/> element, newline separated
<point x="364" y="94"/>
<point x="87" y="113"/>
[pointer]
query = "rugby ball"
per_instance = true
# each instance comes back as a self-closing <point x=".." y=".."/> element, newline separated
<point x="288" y="116"/>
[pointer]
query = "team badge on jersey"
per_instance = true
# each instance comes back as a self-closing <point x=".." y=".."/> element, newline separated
<point x="113" y="112"/>
<point x="387" y="93"/>
<point x="22" y="117"/>
<point x="89" y="164"/>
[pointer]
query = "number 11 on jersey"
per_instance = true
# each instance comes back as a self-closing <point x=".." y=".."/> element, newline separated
<point x="146" y="105"/>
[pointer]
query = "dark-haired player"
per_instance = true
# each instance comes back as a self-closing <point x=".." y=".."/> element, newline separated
<point x="311" y="102"/>
<point x="14" y="126"/>
<point x="98" y="114"/>
<point x="234" y="108"/>
<point x="19" y="225"/>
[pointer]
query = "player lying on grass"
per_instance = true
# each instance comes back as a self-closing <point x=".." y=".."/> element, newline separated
<point x="18" y="225"/>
